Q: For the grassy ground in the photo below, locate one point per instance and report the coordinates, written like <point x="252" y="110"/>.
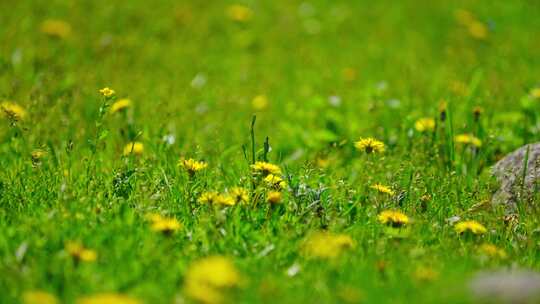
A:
<point x="76" y="211"/>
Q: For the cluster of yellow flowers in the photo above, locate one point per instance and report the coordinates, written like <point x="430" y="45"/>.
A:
<point x="326" y="245"/>
<point x="271" y="176"/>
<point x="234" y="196"/>
<point x="165" y="225"/>
<point x="275" y="182"/>
<point x="208" y="280"/>
<point x="426" y="124"/>
<point x="468" y="139"/>
<point x="79" y="253"/>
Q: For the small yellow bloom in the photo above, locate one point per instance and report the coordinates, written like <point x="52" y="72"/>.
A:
<point x="208" y="279"/>
<point x="478" y="30"/>
<point x="192" y="166"/>
<point x="492" y="251"/>
<point x="38" y="154"/>
<point x="163" y="224"/>
<point x="208" y="197"/>
<point x="136" y="148"/>
<point x="470" y="226"/>
<point x="393" y="218"/>
<point x="120" y="105"/>
<point x="239" y="13"/>
<point x="426" y="124"/>
<point x="274" y="181"/>
<point x="107" y="92"/>
<point x="108" y="298"/>
<point x="273" y="197"/>
<point x="240" y="195"/>
<point x="13" y="111"/>
<point x="265" y="168"/>
<point x="38" y="297"/>
<point x="383" y="189"/>
<point x="327" y="245"/>
<point x="259" y="102"/>
<point x="468" y="139"/>
<point x="369" y="145"/>
<point x="79" y="253"/>
<point x="55" y="28"/>
<point x="535" y="93"/>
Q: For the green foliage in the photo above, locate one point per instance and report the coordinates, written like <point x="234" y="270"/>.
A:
<point x="330" y="72"/>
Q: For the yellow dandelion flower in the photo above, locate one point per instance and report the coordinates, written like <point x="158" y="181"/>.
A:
<point x="259" y="102"/>
<point x="55" y="28"/>
<point x="79" y="253"/>
<point x="240" y="195"/>
<point x="426" y="124"/>
<point x="224" y="200"/>
<point x="468" y="139"/>
<point x="327" y="245"/>
<point x="208" y="279"/>
<point x="164" y="225"/>
<point x="473" y="227"/>
<point x="135" y="148"/>
<point x="38" y="297"/>
<point x="393" y="218"/>
<point x="107" y="92"/>
<point x="535" y="93"/>
<point x="208" y="197"/>
<point x="492" y="251"/>
<point x="108" y="298"/>
<point x="478" y="30"/>
<point x="383" y="189"/>
<point x="265" y="168"/>
<point x="192" y="166"/>
<point x="274" y="197"/>
<point x="275" y="181"/>
<point x="369" y="145"/>
<point x="13" y="111"/>
<point x="239" y="13"/>
<point x="120" y="105"/>
<point x="38" y="154"/>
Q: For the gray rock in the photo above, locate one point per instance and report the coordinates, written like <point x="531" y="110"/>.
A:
<point x="510" y="171"/>
<point x="506" y="286"/>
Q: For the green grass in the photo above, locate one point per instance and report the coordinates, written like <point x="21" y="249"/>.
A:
<point x="406" y="57"/>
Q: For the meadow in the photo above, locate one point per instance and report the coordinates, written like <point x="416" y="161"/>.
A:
<point x="262" y="151"/>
